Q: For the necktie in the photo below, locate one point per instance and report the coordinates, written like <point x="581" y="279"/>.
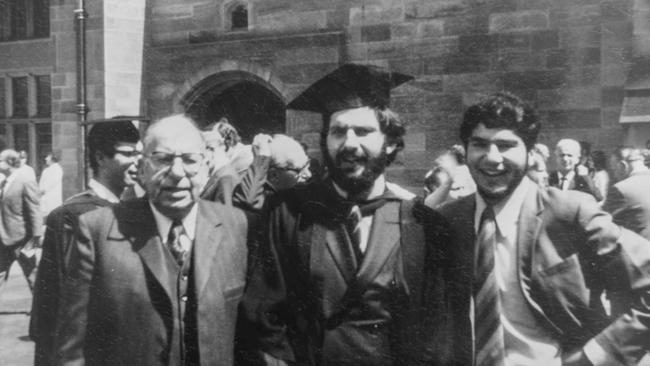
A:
<point x="488" y="330"/>
<point x="174" y="241"/>
<point x="563" y="185"/>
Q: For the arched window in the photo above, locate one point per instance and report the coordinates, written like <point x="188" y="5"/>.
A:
<point x="239" y="17"/>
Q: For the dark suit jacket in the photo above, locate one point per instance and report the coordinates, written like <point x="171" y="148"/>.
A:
<point x="629" y="203"/>
<point x="59" y="235"/>
<point x="314" y="303"/>
<point x="120" y="294"/>
<point x="20" y="211"/>
<point x="569" y="253"/>
<point x="220" y="185"/>
<point x="582" y="183"/>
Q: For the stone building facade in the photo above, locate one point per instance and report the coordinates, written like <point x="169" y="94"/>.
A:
<point x="245" y="59"/>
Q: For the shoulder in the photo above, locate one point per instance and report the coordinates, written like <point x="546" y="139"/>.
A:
<point x="232" y="216"/>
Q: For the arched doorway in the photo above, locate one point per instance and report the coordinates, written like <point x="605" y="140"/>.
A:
<point x="248" y="102"/>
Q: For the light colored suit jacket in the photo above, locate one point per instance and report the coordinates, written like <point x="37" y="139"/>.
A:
<point x="629" y="203"/>
<point x="569" y="252"/>
<point x="120" y="292"/>
<point x="20" y="210"/>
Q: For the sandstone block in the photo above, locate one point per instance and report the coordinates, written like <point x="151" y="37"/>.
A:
<point x="518" y="21"/>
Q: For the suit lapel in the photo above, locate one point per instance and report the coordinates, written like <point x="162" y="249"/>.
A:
<point x="383" y="240"/>
<point x="340" y="248"/>
<point x="143" y="233"/>
<point x="207" y="242"/>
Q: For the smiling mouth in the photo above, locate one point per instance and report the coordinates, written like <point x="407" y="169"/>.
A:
<point x="493" y="174"/>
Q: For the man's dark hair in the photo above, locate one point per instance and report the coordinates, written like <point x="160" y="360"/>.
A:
<point x="600" y="159"/>
<point x="502" y="110"/>
<point x="105" y="135"/>
<point x="389" y="123"/>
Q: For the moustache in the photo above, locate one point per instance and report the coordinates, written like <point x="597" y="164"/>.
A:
<point x="351" y="156"/>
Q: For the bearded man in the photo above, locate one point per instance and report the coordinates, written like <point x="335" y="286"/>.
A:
<point x="339" y="275"/>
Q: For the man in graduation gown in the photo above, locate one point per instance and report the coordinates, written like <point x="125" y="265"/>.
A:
<point x="339" y="277"/>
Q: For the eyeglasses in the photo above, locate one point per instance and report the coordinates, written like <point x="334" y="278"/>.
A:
<point x="302" y="172"/>
<point x="129" y="153"/>
<point x="164" y="160"/>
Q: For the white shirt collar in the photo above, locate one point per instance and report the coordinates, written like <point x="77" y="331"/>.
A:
<point x="102" y="191"/>
<point x="164" y="223"/>
<point x="378" y="188"/>
<point x="507" y="210"/>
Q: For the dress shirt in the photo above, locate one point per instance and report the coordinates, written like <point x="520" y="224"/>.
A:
<point x="51" y="185"/>
<point x="564" y="185"/>
<point x="527" y="342"/>
<point x="164" y="223"/>
<point x="102" y="192"/>
<point x="365" y="224"/>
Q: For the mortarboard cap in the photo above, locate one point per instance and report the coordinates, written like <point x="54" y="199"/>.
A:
<point x="349" y="86"/>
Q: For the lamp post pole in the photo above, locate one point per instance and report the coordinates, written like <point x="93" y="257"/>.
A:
<point x="82" y="108"/>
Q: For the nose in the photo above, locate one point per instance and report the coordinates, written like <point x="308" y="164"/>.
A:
<point x="304" y="176"/>
<point x="176" y="169"/>
<point x="351" y="139"/>
<point x="493" y="154"/>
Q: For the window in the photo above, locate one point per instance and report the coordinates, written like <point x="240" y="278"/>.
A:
<point x="43" y="144"/>
<point x="43" y="96"/>
<point x="20" y="96"/>
<point x="24" y="19"/>
<point x="21" y="137"/>
<point x="239" y="17"/>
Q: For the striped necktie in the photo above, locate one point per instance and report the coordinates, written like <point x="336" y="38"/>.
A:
<point x="489" y="345"/>
<point x="174" y="241"/>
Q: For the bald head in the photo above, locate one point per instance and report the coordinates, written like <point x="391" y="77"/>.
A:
<point x="289" y="162"/>
<point x="168" y="129"/>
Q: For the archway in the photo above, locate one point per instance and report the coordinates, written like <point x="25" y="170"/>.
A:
<point x="251" y="104"/>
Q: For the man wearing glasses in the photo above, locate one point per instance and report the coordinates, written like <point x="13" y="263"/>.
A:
<point x="156" y="280"/>
<point x="280" y="163"/>
<point x="113" y="153"/>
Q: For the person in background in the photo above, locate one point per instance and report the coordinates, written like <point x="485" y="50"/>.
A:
<point x="113" y="152"/>
<point x="585" y="157"/>
<point x="21" y="224"/>
<point x="51" y="185"/>
<point x="24" y="167"/>
<point x="537" y="168"/>
<point x="570" y="174"/>
<point x="240" y="155"/>
<point x="628" y="199"/>
<point x="600" y="176"/>
<point x="531" y="263"/>
<point x="339" y="275"/>
<point x="280" y="163"/>
<point x="223" y="177"/>
<point x="156" y="280"/>
<point x="452" y="176"/>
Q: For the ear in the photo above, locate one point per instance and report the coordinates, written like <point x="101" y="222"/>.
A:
<point x="531" y="158"/>
<point x="390" y="148"/>
<point x="99" y="157"/>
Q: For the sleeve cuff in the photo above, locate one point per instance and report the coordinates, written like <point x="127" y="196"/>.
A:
<point x="597" y="355"/>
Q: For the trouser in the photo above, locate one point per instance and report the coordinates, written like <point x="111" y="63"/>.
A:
<point x="9" y="254"/>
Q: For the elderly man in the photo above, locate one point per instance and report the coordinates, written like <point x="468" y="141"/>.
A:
<point x="628" y="200"/>
<point x="156" y="280"/>
<point x="570" y="174"/>
<point x="339" y="278"/>
<point x="280" y="163"/>
<point x="531" y="263"/>
<point x="113" y="151"/>
<point x="21" y="216"/>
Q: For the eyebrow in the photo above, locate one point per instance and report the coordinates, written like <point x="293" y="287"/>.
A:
<point x="495" y="141"/>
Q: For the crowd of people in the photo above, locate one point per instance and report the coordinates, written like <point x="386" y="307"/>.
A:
<point x="192" y="248"/>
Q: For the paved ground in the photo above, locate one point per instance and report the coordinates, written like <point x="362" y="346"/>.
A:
<point x="15" y="302"/>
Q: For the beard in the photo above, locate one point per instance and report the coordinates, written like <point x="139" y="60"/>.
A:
<point x="373" y="167"/>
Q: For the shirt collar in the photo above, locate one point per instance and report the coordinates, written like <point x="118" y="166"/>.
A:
<point x="102" y="191"/>
<point x="507" y="210"/>
<point x="164" y="223"/>
<point x="568" y="175"/>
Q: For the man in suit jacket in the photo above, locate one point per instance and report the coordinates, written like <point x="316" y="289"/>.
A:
<point x="113" y="153"/>
<point x="628" y="200"/>
<point x="21" y="217"/>
<point x="570" y="174"/>
<point x="339" y="281"/>
<point x="157" y="280"/>
<point x="528" y="293"/>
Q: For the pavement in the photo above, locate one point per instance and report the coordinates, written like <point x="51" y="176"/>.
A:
<point x="16" y="349"/>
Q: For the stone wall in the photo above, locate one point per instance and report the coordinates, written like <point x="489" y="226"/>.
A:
<point x="569" y="58"/>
